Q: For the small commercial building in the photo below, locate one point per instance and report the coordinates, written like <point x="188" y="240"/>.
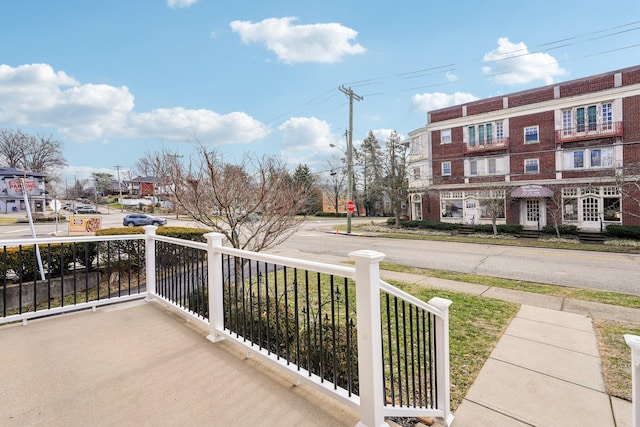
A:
<point x="14" y="183"/>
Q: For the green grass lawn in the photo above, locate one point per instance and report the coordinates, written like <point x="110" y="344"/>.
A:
<point x="478" y="322"/>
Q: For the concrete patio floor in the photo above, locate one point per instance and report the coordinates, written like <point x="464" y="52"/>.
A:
<point x="137" y="364"/>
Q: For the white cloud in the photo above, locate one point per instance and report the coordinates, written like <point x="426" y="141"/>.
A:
<point x="174" y="4"/>
<point x="433" y="101"/>
<point x="36" y="95"/>
<point x="324" y="43"/>
<point x="306" y="140"/>
<point x="512" y="64"/>
<point x="209" y="127"/>
<point x="451" y="77"/>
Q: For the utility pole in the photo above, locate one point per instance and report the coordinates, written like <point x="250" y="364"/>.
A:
<point x="119" y="187"/>
<point x="352" y="96"/>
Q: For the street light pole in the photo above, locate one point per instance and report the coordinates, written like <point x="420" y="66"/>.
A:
<point x="119" y="188"/>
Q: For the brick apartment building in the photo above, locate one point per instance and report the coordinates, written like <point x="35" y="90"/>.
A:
<point x="554" y="153"/>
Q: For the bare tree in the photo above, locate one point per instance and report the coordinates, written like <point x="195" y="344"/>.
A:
<point x="335" y="185"/>
<point x="254" y="204"/>
<point x="492" y="202"/>
<point x="12" y="145"/>
<point x="627" y="181"/>
<point x="41" y="154"/>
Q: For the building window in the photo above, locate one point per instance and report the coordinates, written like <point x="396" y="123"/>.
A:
<point x="588" y="118"/>
<point x="416" y="173"/>
<point x="574" y="159"/>
<point x="485" y="134"/>
<point x="473" y="167"/>
<point x="589" y="158"/>
<point x="416" y="146"/>
<point x="446" y="168"/>
<point x="531" y="166"/>
<point x="483" y="166"/>
<point x="579" y="203"/>
<point x="451" y="205"/>
<point x="472" y="136"/>
<point x="607" y="116"/>
<point x="491" y="166"/>
<point x="445" y="136"/>
<point x="499" y="131"/>
<point x="531" y="135"/>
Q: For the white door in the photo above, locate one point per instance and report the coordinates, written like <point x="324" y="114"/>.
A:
<point x="534" y="213"/>
<point x="590" y="215"/>
<point x="470" y="215"/>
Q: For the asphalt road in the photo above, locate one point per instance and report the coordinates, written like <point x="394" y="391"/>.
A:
<point x="317" y="241"/>
<point x="581" y="269"/>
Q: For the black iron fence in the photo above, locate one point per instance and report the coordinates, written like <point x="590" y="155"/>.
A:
<point x="41" y="276"/>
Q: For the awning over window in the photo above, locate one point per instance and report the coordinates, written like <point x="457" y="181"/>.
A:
<point x="531" y="192"/>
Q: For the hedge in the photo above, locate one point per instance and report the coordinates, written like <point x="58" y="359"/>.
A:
<point x="501" y="228"/>
<point x="564" y="229"/>
<point x="623" y="231"/>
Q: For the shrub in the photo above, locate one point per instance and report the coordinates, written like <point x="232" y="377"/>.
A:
<point x="564" y="229"/>
<point x="623" y="231"/>
<point x="425" y="224"/>
<point x="331" y="214"/>
<point x="501" y="228"/>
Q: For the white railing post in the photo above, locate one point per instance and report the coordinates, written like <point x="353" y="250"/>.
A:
<point x="215" y="297"/>
<point x="150" y="260"/>
<point x="633" y="341"/>
<point x="443" y="384"/>
<point x="370" y="370"/>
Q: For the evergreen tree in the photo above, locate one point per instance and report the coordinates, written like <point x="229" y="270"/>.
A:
<point x="370" y="159"/>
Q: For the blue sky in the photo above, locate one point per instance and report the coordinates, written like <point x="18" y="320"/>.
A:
<point x="116" y="79"/>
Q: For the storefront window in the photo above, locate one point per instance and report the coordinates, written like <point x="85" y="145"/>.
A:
<point x="612" y="209"/>
<point x="452" y="208"/>
<point x="570" y="210"/>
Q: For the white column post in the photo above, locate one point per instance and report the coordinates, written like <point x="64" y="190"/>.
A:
<point x="150" y="260"/>
<point x="215" y="296"/>
<point x="370" y="370"/>
<point x="633" y="341"/>
<point x="442" y="357"/>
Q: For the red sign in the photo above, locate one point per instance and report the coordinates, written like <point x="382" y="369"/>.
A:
<point x="351" y="206"/>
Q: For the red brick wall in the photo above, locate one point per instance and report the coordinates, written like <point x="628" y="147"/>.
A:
<point x="445" y="114"/>
<point x="587" y="85"/>
<point x="631" y="76"/>
<point x="531" y="96"/>
<point x="484" y="106"/>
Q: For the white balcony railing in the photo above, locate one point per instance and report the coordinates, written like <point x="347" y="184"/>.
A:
<point x="340" y="329"/>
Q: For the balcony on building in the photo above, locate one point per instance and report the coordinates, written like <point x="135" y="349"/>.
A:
<point x="589" y="131"/>
<point x="487" y="145"/>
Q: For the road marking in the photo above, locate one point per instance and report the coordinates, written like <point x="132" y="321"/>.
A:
<point x="16" y="231"/>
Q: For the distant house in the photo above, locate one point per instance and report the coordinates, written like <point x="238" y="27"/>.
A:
<point x="118" y="187"/>
<point x="14" y="183"/>
<point x="143" y="186"/>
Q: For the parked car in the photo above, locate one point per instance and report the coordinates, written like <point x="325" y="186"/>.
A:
<point x="85" y="210"/>
<point x="134" y="220"/>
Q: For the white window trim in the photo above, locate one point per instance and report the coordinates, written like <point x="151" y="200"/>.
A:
<point x="442" y="168"/>
<point x="524" y="134"/>
<point x="444" y="132"/>
<point x="586" y="159"/>
<point x="482" y="166"/>
<point x="537" y="160"/>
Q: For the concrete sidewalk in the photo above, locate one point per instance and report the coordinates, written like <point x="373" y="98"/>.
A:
<point x="546" y="369"/>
